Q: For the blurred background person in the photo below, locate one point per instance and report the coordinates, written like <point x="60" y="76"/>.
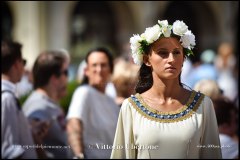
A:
<point x="205" y="69"/>
<point x="226" y="113"/>
<point x="92" y="115"/>
<point x="16" y="133"/>
<point x="208" y="87"/>
<point x="110" y="88"/>
<point x="225" y="59"/>
<point x="225" y="63"/>
<point x="124" y="79"/>
<point x="50" y="75"/>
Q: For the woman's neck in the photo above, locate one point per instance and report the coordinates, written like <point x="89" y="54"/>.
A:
<point x="166" y="89"/>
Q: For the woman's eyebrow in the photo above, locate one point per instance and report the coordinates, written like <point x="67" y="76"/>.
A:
<point x="166" y="49"/>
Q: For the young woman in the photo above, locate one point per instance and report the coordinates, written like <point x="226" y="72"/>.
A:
<point x="164" y="119"/>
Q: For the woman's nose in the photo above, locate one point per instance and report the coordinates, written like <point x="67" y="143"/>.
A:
<point x="171" y="57"/>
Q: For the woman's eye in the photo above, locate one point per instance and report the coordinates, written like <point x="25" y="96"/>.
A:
<point x="163" y="52"/>
<point x="176" y="52"/>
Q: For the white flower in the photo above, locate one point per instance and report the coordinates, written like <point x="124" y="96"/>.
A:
<point x="135" y="47"/>
<point x="152" y="33"/>
<point x="165" y="28"/>
<point x="135" y="40"/>
<point x="188" y="40"/>
<point x="163" y="23"/>
<point x="167" y="31"/>
<point x="143" y="36"/>
<point x="179" y="28"/>
<point x="137" y="57"/>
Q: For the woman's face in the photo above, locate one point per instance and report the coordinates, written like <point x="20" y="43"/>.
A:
<point x="166" y="58"/>
<point x="98" y="69"/>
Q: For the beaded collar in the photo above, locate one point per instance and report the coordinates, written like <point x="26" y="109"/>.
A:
<point x="173" y="116"/>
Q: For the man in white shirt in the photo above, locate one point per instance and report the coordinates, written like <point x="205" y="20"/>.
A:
<point x="92" y="115"/>
<point x="17" y="140"/>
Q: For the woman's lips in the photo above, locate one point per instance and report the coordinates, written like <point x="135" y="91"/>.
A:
<point x="170" y="68"/>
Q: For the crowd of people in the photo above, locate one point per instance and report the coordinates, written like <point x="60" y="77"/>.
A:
<point x="155" y="105"/>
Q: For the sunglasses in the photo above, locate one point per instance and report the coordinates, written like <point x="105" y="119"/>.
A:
<point x="24" y="61"/>
<point x="65" y="72"/>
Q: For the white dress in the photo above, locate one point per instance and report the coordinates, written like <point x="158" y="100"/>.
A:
<point x="189" y="132"/>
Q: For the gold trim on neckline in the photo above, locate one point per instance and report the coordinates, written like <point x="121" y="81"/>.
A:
<point x="167" y="117"/>
<point x="184" y="107"/>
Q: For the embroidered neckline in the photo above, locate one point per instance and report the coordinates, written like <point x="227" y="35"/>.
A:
<point x="172" y="116"/>
<point x="190" y="99"/>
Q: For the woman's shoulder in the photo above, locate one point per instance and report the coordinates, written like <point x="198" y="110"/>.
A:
<point x="127" y="103"/>
<point x="131" y="103"/>
<point x="204" y="98"/>
<point x="207" y="103"/>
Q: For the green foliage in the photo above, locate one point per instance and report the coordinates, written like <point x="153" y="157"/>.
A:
<point x="187" y="52"/>
<point x="22" y="99"/>
<point x="65" y="102"/>
<point x="144" y="45"/>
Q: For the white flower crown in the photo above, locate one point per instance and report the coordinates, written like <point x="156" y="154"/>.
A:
<point x="162" y="29"/>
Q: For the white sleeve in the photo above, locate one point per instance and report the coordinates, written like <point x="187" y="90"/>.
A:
<point x="78" y="103"/>
<point x="124" y="134"/>
<point x="11" y="147"/>
<point x="210" y="137"/>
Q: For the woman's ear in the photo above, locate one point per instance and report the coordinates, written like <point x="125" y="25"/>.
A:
<point x="146" y="60"/>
